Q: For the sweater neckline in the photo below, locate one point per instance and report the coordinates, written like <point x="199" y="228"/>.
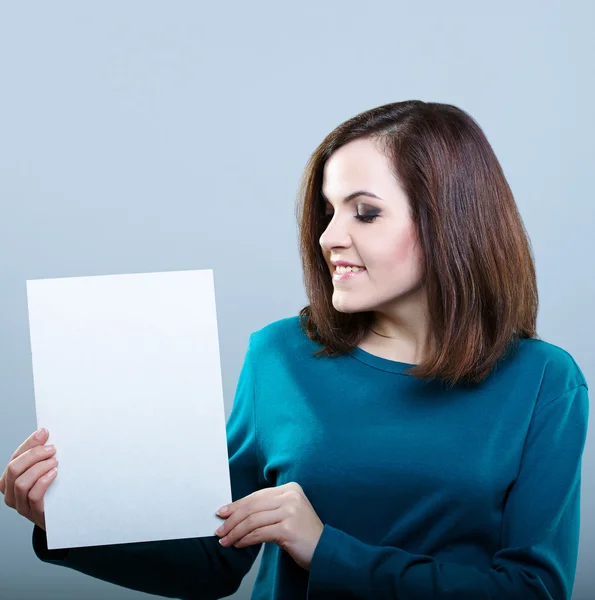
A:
<point x="378" y="362"/>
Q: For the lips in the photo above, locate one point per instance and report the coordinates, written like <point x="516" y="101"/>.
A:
<point x="347" y="275"/>
<point x="343" y="263"/>
<point x="354" y="268"/>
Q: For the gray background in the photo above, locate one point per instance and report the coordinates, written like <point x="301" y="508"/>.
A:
<point x="154" y="136"/>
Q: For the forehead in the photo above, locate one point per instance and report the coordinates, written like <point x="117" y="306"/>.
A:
<point x="357" y="165"/>
<point x="360" y="165"/>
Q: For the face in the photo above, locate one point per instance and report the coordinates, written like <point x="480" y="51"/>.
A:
<point x="375" y="233"/>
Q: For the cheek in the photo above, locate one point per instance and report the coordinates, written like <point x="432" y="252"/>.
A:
<point x="406" y="252"/>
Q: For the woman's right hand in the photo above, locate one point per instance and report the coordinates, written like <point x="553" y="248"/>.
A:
<point x="28" y="475"/>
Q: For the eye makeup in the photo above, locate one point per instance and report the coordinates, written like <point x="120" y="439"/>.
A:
<point x="369" y="216"/>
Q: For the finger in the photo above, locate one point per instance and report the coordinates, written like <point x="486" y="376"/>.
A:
<point x="35" y="439"/>
<point x="256" y="496"/>
<point x="37" y="492"/>
<point x="268" y="533"/>
<point x="27" y="480"/>
<point x="263" y="502"/>
<point x="252" y="522"/>
<point x="19" y="465"/>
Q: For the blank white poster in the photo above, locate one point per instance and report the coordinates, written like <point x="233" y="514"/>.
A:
<point x="127" y="379"/>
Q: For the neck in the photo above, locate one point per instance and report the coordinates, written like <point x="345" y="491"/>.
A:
<point x="402" y="332"/>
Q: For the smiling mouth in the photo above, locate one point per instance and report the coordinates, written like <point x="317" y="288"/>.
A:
<point x="347" y="274"/>
<point x="350" y="269"/>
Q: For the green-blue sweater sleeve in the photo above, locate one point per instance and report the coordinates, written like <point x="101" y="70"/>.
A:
<point x="539" y="534"/>
<point x="189" y="568"/>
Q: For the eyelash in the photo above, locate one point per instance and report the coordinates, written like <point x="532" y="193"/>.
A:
<point x="366" y="218"/>
<point x="362" y="218"/>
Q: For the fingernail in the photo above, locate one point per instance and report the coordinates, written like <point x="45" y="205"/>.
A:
<point x="222" y="510"/>
<point x="40" y="433"/>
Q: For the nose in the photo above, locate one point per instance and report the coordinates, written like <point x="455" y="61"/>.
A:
<point x="334" y="236"/>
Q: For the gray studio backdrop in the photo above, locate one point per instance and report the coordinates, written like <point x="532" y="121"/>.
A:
<point x="145" y="136"/>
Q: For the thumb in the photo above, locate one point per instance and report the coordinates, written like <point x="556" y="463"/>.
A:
<point x="2" y="484"/>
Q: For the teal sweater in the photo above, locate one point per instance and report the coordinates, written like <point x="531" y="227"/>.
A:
<point x="425" y="492"/>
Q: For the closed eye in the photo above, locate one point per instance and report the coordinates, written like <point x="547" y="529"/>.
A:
<point x="366" y="218"/>
<point x="369" y="214"/>
<point x="363" y="218"/>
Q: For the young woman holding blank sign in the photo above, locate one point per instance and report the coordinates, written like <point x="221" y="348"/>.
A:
<point x="407" y="435"/>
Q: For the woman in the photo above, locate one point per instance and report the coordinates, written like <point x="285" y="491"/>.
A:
<point x="408" y="435"/>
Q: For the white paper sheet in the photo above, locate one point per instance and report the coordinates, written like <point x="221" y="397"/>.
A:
<point x="127" y="379"/>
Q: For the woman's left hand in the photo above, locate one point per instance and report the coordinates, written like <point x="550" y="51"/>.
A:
<point x="281" y="514"/>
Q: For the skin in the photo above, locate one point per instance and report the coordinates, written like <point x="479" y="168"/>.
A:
<point x="388" y="247"/>
<point x="27" y="477"/>
<point x="390" y="287"/>
<point x="282" y="515"/>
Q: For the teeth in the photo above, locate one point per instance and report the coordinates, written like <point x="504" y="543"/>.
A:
<point x="349" y="269"/>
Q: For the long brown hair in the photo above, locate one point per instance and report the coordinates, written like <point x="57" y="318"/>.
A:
<point x="478" y="267"/>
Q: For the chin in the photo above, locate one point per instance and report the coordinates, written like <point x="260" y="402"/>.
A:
<point x="346" y="305"/>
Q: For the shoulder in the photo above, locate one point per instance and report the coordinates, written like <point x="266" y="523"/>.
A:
<point x="282" y="335"/>
<point x="556" y="369"/>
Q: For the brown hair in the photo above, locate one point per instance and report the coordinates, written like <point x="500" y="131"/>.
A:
<point x="478" y="264"/>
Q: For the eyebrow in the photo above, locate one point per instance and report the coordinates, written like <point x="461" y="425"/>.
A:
<point x="353" y="195"/>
